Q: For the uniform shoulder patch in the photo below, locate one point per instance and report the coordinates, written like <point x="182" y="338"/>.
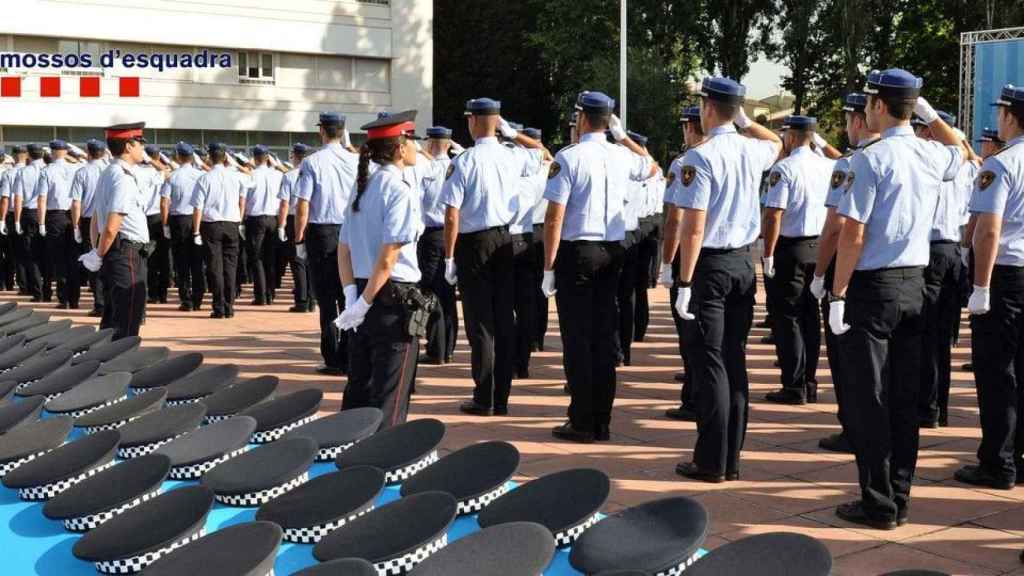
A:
<point x="849" y="178"/>
<point x="774" y="178"/>
<point x="985" y="179"/>
<point x="554" y="169"/>
<point x="838" y="177"/>
<point x="671" y="177"/>
<point x="689" y="173"/>
<point x="451" y="170"/>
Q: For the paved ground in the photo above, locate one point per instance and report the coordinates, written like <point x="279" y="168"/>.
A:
<point x="787" y="483"/>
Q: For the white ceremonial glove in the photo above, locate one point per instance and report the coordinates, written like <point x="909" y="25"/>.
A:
<point x="742" y="120"/>
<point x="980" y="301"/>
<point x="42" y="229"/>
<point x="818" y="287"/>
<point x="197" y="240"/>
<point x="300" y="251"/>
<point x="167" y="232"/>
<point x="615" y="127"/>
<point x="965" y="256"/>
<point x="836" y="315"/>
<point x="282" y="235"/>
<point x="351" y="293"/>
<point x="457" y="148"/>
<point x="547" y="285"/>
<point x="665" y="276"/>
<point x="17" y="227"/>
<point x="506" y="129"/>
<point x="346" y="140"/>
<point x="450" y="274"/>
<point x="819" y="141"/>
<point x="353" y="316"/>
<point x="241" y="231"/>
<point x="925" y="111"/>
<point x="3" y="227"/>
<point x="683" y="303"/>
<point x="78" y="235"/>
<point x="91" y="260"/>
<point x="768" y="263"/>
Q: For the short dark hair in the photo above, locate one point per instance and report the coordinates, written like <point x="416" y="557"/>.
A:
<point x="696" y="126"/>
<point x="801" y="135"/>
<point x="724" y="109"/>
<point x="597" y="120"/>
<point x="899" y="108"/>
<point x="117" y="146"/>
<point x="218" y="156"/>
<point x="183" y="157"/>
<point x="36" y="155"/>
<point x="333" y="131"/>
<point x="1017" y="114"/>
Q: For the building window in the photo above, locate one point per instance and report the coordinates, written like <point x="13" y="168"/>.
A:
<point x="81" y="47"/>
<point x="256" y="67"/>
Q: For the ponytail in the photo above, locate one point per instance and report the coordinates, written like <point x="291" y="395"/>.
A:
<point x="363" y="174"/>
<point x="381" y="151"/>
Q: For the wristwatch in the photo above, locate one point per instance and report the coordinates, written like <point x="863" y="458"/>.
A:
<point x="833" y="298"/>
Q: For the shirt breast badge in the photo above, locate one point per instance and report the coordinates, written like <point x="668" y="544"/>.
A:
<point x="689" y="173"/>
<point x="554" y="170"/>
<point x="985" y="179"/>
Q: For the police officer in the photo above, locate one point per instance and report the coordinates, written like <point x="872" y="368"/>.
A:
<point x="26" y="226"/>
<point x="889" y="206"/>
<point x="54" y="192"/>
<point x="13" y="267"/>
<point x="442" y="327"/>
<point x="119" y="224"/>
<point x="481" y="198"/>
<point x="997" y="300"/>
<point x="176" y="215"/>
<point x="540" y="208"/>
<point x="716" y="276"/>
<point x="794" y="214"/>
<point x="326" y="181"/>
<point x="151" y="175"/>
<point x="583" y="232"/>
<point x="83" y="197"/>
<point x="635" y="198"/>
<point x="218" y="202"/>
<point x="860" y="135"/>
<point x="301" y="275"/>
<point x="526" y="277"/>
<point x="261" y="207"/>
<point x="648" y="258"/>
<point x="990" y="142"/>
<point x="377" y="262"/>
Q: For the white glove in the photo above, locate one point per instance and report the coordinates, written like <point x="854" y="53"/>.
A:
<point x="768" y="263"/>
<point x="241" y="231"/>
<point x="836" y="316"/>
<point x="300" y="251"/>
<point x="506" y="129"/>
<point x="42" y="229"/>
<point x="457" y="148"/>
<point x="282" y="235"/>
<point x="197" y="240"/>
<point x="965" y="256"/>
<point x="91" y="260"/>
<point x="980" y="301"/>
<point x="450" y="274"/>
<point x="818" y="287"/>
<point x="3" y="227"/>
<point x="742" y="120"/>
<point x="78" y="235"/>
<point x="167" y="232"/>
<point x="351" y="293"/>
<point x="346" y="140"/>
<point x="17" y="227"/>
<point x="615" y="127"/>
<point x="819" y="141"/>
<point x="547" y="285"/>
<point x="353" y="316"/>
<point x="925" y="111"/>
<point x="683" y="303"/>
<point x="665" y="276"/>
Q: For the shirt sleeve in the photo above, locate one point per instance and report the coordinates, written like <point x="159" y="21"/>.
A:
<point x="639" y="165"/>
<point x="766" y="153"/>
<point x="837" y="184"/>
<point x="779" y="189"/>
<point x="18" y="187"/>
<point x="695" y="191"/>
<point x="77" y="185"/>
<point x="861" y="190"/>
<point x="991" y="188"/>
<point x="43" y="184"/>
<point x="343" y="231"/>
<point x="454" y="190"/>
<point x="5" y="184"/>
<point x="532" y="159"/>
<point x="401" y="219"/>
<point x="307" y="180"/>
<point x="285" y="191"/>
<point x="560" y="179"/>
<point x="123" y="197"/>
<point x="948" y="160"/>
<point x="199" y="193"/>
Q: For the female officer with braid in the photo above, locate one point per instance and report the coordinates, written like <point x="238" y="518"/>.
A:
<point x="379" y="271"/>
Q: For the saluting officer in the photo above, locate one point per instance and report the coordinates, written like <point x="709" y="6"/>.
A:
<point x="648" y="258"/>
<point x="379" y="270"/>
<point x="481" y="198"/>
<point x="261" y="207"/>
<point x="990" y="142"/>
<point x="997" y="302"/>
<point x="719" y="197"/>
<point x="583" y="233"/>
<point x="151" y="176"/>
<point x="540" y="208"/>
<point x="301" y="275"/>
<point x="54" y="192"/>
<point x="14" y="266"/>
<point x="635" y="198"/>
<point x="26" y="226"/>
<point x="889" y="207"/>
<point x="526" y="277"/>
<point x="119" y="224"/>
<point x="83" y="201"/>
<point x="176" y="212"/>
<point x="794" y="214"/>
<point x="861" y="136"/>
<point x="326" y="181"/>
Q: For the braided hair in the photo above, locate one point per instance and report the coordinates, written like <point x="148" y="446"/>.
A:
<point x="381" y="151"/>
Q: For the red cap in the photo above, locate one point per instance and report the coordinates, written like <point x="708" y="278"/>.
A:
<point x="125" y="131"/>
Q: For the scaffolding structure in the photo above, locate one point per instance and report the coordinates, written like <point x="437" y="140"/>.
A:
<point x="968" y="41"/>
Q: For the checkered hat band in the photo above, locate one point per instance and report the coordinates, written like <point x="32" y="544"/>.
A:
<point x="263" y="496"/>
<point x="86" y="523"/>
<point x="27" y="383"/>
<point x="183" y="401"/>
<point x="84" y="411"/>
<point x="329" y="454"/>
<point x="313" y="534"/>
<point x="195" y="471"/>
<point x="8" y="466"/>
<point x="478" y="503"/>
<point x="403" y="474"/>
<point x="137" y="563"/>
<point x="212" y="419"/>
<point x="54" y="396"/>
<point x="129" y="452"/>
<point x="567" y="537"/>
<point x="679" y="568"/>
<point x="47" y="491"/>
<point x="111" y="426"/>
<point x="268" y="436"/>
<point x="405" y="563"/>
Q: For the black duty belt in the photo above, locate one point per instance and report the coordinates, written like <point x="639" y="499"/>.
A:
<point x="724" y="251"/>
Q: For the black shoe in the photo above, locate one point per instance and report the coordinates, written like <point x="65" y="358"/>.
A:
<point x="812" y="392"/>
<point x="523" y="374"/>
<point x="449" y="359"/>
<point x="500" y="411"/>
<point x="297" y="308"/>
<point x="258" y="303"/>
<point x="229" y="313"/>
<point x="540" y="346"/>
<point x="836" y="443"/>
<point x="854" y="512"/>
<point x="37" y="299"/>
<point x="163" y="299"/>
<point x="767" y="339"/>
<point x="73" y="306"/>
<point x="471" y="407"/>
<point x="1020" y="473"/>
<point x="929" y="423"/>
<point x="185" y="307"/>
<point x="902" y="517"/>
<point x="968" y="367"/>
<point x="62" y="306"/>
<point x="602" y="433"/>
<point x="683" y="414"/>
<point x="152" y="300"/>
<point x="766" y="323"/>
<point x="566" y="389"/>
<point x="785" y="396"/>
<point x="732" y="476"/>
<point x="329" y="370"/>
<point x="943" y="417"/>
<point x="680" y="377"/>
<point x="568" y="432"/>
<point x="94" y="313"/>
<point x="691" y="471"/>
<point x="216" y="314"/>
<point x="977" y="476"/>
<point x="431" y="360"/>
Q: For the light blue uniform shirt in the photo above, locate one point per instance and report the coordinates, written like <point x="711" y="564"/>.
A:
<point x="55" y="183"/>
<point x="674" y="180"/>
<point x="150" y="181"/>
<point x="483" y="183"/>
<point x="83" y="187"/>
<point x="7" y="180"/>
<point x="117" y="192"/>
<point x="262" y="198"/>
<point x="430" y="186"/>
<point x="178" y="189"/>
<point x="837" y="184"/>
<point x="999" y="190"/>
<point x="798" y="185"/>
<point x="656" y="194"/>
<point x="636" y="195"/>
<point x="287" y="190"/>
<point x="591" y="180"/>
<point x="523" y="221"/>
<point x="951" y="212"/>
<point x="25" y="184"/>
<point x="389" y="213"/>
<point x="540" y="204"/>
<point x="327" y="179"/>
<point x="722" y="177"/>
<point x="217" y="193"/>
<point x="893" y="188"/>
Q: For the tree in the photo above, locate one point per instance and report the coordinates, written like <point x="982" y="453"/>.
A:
<point x="739" y="30"/>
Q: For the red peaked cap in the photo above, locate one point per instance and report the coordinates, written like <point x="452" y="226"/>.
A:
<point x="391" y="125"/>
<point x="125" y="131"/>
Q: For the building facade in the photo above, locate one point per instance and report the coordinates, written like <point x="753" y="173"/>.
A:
<point x="289" y="60"/>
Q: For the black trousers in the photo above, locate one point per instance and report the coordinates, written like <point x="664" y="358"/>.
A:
<point x="159" y="264"/>
<point x="587" y="279"/>
<point x="997" y="352"/>
<point x="723" y="303"/>
<point x="8" y="258"/>
<point x="525" y="288"/>
<point x="881" y="362"/>
<point x="941" y="313"/>
<point x="17" y="251"/>
<point x="382" y="360"/>
<point x="540" y="319"/>
<point x="124" y="284"/>
<point x="322" y="251"/>
<point x="302" y="275"/>
<point x="33" y="252"/>
<point x="834" y="357"/>
<point x="220" y="241"/>
<point x="95" y="278"/>
<point x="60" y="244"/>
<point x="484" y="263"/>
<point x="188" y="260"/>
<point x="797" y="326"/>
<point x="260" y="240"/>
<point x="687" y="394"/>
<point x="625" y="297"/>
<point x="443" y="324"/>
<point x="647" y="260"/>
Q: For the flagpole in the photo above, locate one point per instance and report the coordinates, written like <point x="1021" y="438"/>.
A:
<point x="623" y="45"/>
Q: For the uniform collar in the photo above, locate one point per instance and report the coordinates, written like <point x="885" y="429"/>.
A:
<point x="123" y="164"/>
<point x="723" y="129"/>
<point x="901" y="130"/>
<point x="391" y="169"/>
<point x="805" y="149"/>
<point x="334" y="145"/>
<point x="487" y="140"/>
<point x="217" y="167"/>
<point x="1015" y="141"/>
<point x="866" y="141"/>
<point x="96" y="161"/>
<point x="38" y="162"/>
<point x="593" y="137"/>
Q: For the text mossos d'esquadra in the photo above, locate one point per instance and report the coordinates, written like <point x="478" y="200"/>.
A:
<point x="113" y="58"/>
